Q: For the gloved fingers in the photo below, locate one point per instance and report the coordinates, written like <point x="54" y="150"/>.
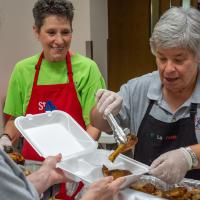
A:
<point x="102" y="96"/>
<point x="99" y="94"/>
<point x="171" y="166"/>
<point x="158" y="161"/>
<point x="108" y="100"/>
<point x="157" y="171"/>
<point x="161" y="172"/>
<point x="171" y="176"/>
<point x="104" y="102"/>
<point x="115" y="107"/>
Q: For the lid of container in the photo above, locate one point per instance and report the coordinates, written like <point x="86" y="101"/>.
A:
<point x="55" y="132"/>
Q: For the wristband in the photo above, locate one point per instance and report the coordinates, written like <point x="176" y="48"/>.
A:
<point x="191" y="157"/>
<point x="195" y="160"/>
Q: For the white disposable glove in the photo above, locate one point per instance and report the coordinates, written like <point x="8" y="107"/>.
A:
<point x="108" y="102"/>
<point x="5" y="141"/>
<point x="172" y="166"/>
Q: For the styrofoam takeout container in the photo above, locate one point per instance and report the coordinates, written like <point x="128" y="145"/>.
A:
<point x="57" y="132"/>
<point x="89" y="166"/>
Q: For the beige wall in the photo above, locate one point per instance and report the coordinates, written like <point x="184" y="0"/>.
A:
<point x="17" y="40"/>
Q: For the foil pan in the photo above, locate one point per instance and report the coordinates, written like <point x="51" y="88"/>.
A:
<point x="160" y="185"/>
<point x="155" y="181"/>
<point x="189" y="183"/>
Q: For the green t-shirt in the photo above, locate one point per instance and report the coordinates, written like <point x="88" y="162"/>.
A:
<point x="86" y="75"/>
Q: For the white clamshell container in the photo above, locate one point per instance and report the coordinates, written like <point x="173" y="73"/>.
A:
<point x="56" y="132"/>
<point x="88" y="167"/>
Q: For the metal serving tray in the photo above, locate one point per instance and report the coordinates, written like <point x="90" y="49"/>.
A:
<point x="130" y="194"/>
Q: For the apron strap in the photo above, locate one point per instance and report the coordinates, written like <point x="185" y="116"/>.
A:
<point x="69" y="67"/>
<point x="37" y="68"/>
<point x="151" y="102"/>
<point x="193" y="110"/>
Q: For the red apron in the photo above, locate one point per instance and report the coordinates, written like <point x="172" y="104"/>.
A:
<point x="60" y="97"/>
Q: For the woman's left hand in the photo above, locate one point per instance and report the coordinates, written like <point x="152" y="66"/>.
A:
<point x="170" y="167"/>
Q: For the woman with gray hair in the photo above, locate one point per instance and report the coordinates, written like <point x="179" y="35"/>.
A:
<point x="163" y="107"/>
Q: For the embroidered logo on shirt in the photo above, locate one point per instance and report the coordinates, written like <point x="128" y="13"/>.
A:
<point x="155" y="136"/>
<point x="171" y="137"/>
<point x="158" y="137"/>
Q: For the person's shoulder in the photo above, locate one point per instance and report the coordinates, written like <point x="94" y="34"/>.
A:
<point x="29" y="61"/>
<point x="81" y="58"/>
<point x="85" y="65"/>
<point x="144" y="79"/>
<point x="141" y="83"/>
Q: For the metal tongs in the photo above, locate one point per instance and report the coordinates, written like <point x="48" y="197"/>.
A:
<point x="119" y="134"/>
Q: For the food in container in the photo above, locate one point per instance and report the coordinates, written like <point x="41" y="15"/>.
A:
<point x="115" y="173"/>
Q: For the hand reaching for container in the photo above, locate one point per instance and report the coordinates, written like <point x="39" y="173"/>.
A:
<point x="103" y="189"/>
<point x="108" y="101"/>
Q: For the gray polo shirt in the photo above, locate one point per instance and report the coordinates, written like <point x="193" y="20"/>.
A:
<point x="13" y="184"/>
<point x="136" y="94"/>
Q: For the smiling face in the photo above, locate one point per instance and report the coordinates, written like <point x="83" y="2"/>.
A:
<point x="178" y="69"/>
<point x="55" y="37"/>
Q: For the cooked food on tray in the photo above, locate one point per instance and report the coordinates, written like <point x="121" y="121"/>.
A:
<point x="177" y="193"/>
<point x="115" y="173"/>
<point x="132" y="140"/>
<point x="16" y="156"/>
<point x="144" y="187"/>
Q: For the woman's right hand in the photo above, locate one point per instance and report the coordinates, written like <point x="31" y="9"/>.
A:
<point x="108" y="102"/>
<point x="103" y="189"/>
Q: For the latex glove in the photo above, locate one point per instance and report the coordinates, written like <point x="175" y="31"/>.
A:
<point x="172" y="166"/>
<point x="108" y="101"/>
<point x="5" y="141"/>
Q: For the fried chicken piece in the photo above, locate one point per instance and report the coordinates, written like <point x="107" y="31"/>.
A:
<point x="115" y="173"/>
<point x="175" y="193"/>
<point x="132" y="140"/>
<point x="144" y="187"/>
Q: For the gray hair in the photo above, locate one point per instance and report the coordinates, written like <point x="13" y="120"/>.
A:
<point x="177" y="27"/>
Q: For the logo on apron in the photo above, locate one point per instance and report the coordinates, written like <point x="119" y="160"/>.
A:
<point x="50" y="106"/>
